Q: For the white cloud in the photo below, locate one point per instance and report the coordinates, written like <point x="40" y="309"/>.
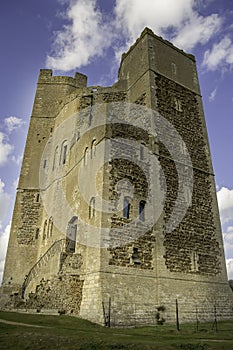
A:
<point x="17" y="159"/>
<point x="4" y="202"/>
<point x="225" y="202"/>
<point x="197" y="30"/>
<point x="213" y="95"/>
<point x="85" y="37"/>
<point x="89" y="32"/>
<point x="13" y="123"/>
<point x="228" y="241"/>
<point x="15" y="183"/>
<point x="4" y="237"/>
<point x="220" y="55"/>
<point x="5" y="149"/>
<point x="229" y="263"/>
<point x="186" y="27"/>
<point x="134" y="15"/>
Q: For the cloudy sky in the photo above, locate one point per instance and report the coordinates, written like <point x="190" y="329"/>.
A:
<point x="89" y="36"/>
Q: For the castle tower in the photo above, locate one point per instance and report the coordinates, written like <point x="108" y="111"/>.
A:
<point x="116" y="208"/>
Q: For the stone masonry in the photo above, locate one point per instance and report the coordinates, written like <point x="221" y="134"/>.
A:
<point x="116" y="208"/>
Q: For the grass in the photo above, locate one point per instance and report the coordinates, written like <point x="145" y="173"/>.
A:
<point x="71" y="333"/>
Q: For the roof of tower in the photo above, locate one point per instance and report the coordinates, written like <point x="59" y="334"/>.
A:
<point x="166" y="42"/>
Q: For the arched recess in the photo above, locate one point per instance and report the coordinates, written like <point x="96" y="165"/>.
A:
<point x="93" y="148"/>
<point x="92" y="208"/>
<point x="64" y="150"/>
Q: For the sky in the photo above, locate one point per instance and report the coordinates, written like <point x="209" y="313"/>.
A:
<point x="89" y="36"/>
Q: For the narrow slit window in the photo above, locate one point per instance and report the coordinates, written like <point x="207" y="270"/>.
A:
<point x="50" y="227"/>
<point x="142" y="205"/>
<point x="45" y="229"/>
<point x="85" y="156"/>
<point x="126" y="208"/>
<point x="37" y="233"/>
<point x="142" y="151"/>
<point x="194" y="261"/>
<point x="64" y="154"/>
<point x="93" y="148"/>
<point x="135" y="257"/>
<point x="174" y="69"/>
<point x="92" y="208"/>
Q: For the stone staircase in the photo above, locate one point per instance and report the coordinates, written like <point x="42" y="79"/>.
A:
<point x="56" y="248"/>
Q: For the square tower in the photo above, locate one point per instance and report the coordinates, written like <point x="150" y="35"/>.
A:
<point x="116" y="211"/>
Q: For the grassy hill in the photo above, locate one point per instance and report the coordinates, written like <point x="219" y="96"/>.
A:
<point x="26" y="331"/>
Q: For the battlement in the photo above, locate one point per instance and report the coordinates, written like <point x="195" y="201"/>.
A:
<point x="46" y="77"/>
<point x="166" y="42"/>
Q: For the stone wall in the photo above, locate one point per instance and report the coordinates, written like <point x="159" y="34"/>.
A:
<point x="63" y="293"/>
<point x="30" y="212"/>
<point x="195" y="237"/>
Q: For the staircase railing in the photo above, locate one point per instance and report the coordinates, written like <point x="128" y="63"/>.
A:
<point x="57" y="245"/>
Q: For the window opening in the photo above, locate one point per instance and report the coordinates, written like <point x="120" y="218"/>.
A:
<point x="64" y="154"/>
<point x="37" y="233"/>
<point x="142" y="210"/>
<point x="126" y="208"/>
<point x="45" y="229"/>
<point x="135" y="257"/>
<point x="92" y="208"/>
<point x="50" y="227"/>
<point x="194" y="261"/>
<point x="178" y="104"/>
<point x="85" y="156"/>
<point x="142" y="151"/>
<point x="174" y="69"/>
<point x="93" y="148"/>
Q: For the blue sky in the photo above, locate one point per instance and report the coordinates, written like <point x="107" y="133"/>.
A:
<point x="89" y="36"/>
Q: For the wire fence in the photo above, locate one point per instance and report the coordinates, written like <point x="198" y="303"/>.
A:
<point x="118" y="314"/>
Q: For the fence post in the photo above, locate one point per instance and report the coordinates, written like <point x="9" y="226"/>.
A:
<point x="109" y="313"/>
<point x="177" y="316"/>
<point x="197" y="321"/>
<point x="215" y="324"/>
<point x="105" y="321"/>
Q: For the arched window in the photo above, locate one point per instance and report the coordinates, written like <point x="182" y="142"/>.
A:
<point x="142" y="210"/>
<point x="55" y="158"/>
<point x="50" y="227"/>
<point x="85" y="156"/>
<point x="63" y="156"/>
<point x="92" y="208"/>
<point x="45" y="229"/>
<point x="93" y="148"/>
<point x="126" y="207"/>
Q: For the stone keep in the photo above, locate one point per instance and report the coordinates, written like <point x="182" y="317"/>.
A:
<point x="116" y="207"/>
